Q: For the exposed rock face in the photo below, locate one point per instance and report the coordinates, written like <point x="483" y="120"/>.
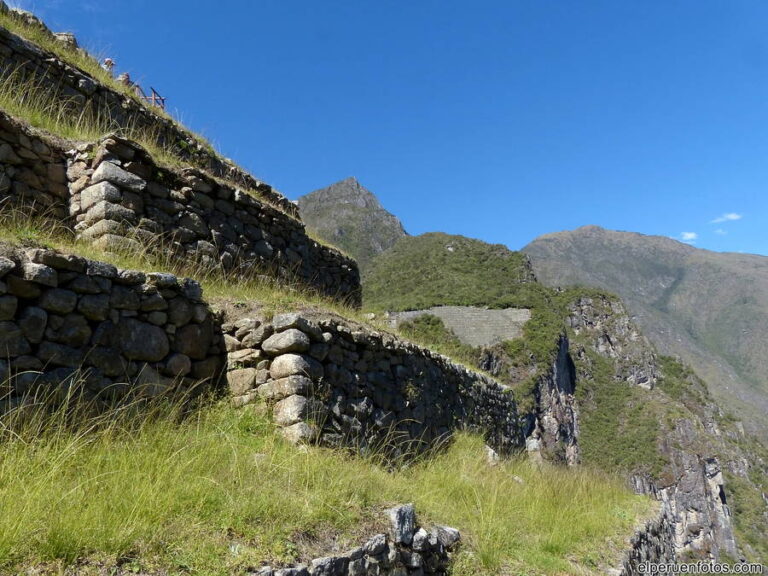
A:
<point x="363" y="388"/>
<point x="695" y="516"/>
<point x="615" y="336"/>
<point x="554" y="426"/>
<point x="348" y="216"/>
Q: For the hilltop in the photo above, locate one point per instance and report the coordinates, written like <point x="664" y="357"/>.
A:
<point x="708" y="308"/>
<point x="349" y="216"/>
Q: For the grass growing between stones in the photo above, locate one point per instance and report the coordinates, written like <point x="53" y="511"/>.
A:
<point x="219" y="491"/>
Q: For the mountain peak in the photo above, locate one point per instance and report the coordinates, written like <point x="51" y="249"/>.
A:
<point x="348" y="215"/>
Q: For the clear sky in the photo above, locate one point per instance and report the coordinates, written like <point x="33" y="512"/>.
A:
<point x="500" y="120"/>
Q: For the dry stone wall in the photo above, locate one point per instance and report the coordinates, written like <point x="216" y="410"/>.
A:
<point x="345" y="385"/>
<point x="405" y="550"/>
<point x="66" y="321"/>
<point x="474" y="326"/>
<point x="83" y="92"/>
<point x="33" y="172"/>
<point x="122" y="200"/>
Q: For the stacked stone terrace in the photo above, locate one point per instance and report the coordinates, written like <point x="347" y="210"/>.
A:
<point x="81" y="91"/>
<point x="71" y="323"/>
<point x="338" y="382"/>
<point x="121" y="200"/>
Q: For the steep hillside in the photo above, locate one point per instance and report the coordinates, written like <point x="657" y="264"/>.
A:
<point x="436" y="268"/>
<point x="349" y="216"/>
<point x="710" y="309"/>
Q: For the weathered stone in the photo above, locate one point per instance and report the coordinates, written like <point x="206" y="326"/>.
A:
<point x="98" y="192"/>
<point x="330" y="566"/>
<point x="241" y="381"/>
<point x="447" y="536"/>
<point x="402" y="523"/>
<point x="33" y="322"/>
<point x="206" y="370"/>
<point x="59" y="301"/>
<point x="107" y="211"/>
<point x="291" y="340"/>
<point x="278" y="389"/>
<point x="94" y="307"/>
<point x="8" y="307"/>
<point x="178" y="365"/>
<point x="119" y="244"/>
<point x="194" y="340"/>
<point x="124" y="298"/>
<point x="179" y="311"/>
<point x="59" y="355"/>
<point x="23" y="288"/>
<point x="72" y="330"/>
<point x="141" y="341"/>
<point x="12" y="341"/>
<point x="376" y="545"/>
<point x="255" y="337"/>
<point x="116" y="175"/>
<point x="39" y="274"/>
<point x="290" y="410"/>
<point x="290" y="364"/>
<point x="299" y="433"/>
<point x="6" y="265"/>
<point x="108" y="360"/>
<point x="294" y="320"/>
<point x="421" y="540"/>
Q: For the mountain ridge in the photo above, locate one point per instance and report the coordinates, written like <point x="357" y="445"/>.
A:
<point x="697" y="304"/>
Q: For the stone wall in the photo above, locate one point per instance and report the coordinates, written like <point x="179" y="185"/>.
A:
<point x="345" y="385"/>
<point x="474" y="326"/>
<point x="83" y="92"/>
<point x="122" y="200"/>
<point x="33" y="172"/>
<point x="406" y="550"/>
<point x="66" y="321"/>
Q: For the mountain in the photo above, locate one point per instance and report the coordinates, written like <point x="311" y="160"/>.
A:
<point x="436" y="268"/>
<point x="350" y="217"/>
<point x="708" y="308"/>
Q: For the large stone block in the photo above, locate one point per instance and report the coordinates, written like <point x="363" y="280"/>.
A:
<point x="117" y="176"/>
<point x="291" y="340"/>
<point x="140" y="341"/>
<point x="295" y="364"/>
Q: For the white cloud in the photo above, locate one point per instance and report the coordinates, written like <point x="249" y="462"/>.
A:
<point x="720" y="232"/>
<point x="727" y="217"/>
<point x="689" y="237"/>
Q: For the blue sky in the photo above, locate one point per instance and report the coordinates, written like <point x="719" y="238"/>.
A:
<point x="500" y="120"/>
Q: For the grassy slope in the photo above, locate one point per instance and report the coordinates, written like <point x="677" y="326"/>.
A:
<point x="221" y="491"/>
<point x="435" y="268"/>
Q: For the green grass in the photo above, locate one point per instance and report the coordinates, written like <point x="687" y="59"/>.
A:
<point x="220" y="491"/>
<point x="433" y="269"/>
<point x="619" y="424"/>
<point x="430" y="331"/>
